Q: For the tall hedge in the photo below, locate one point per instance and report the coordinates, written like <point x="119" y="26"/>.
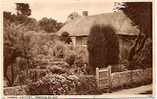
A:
<point x="103" y="47"/>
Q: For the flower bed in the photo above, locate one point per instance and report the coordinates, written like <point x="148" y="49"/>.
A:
<point x="54" y="84"/>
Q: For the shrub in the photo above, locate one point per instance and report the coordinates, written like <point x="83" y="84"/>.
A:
<point x="54" y="84"/>
<point x="81" y="56"/>
<point x="59" y="50"/>
<point x="44" y="48"/>
<point x="70" y="57"/>
<point x="56" y="69"/>
<point x="87" y="88"/>
<point x="63" y="84"/>
<point x="103" y="47"/>
<point x="65" y="37"/>
<point x="35" y="48"/>
<point x="77" y="58"/>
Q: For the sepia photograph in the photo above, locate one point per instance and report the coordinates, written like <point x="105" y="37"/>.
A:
<point x="78" y="47"/>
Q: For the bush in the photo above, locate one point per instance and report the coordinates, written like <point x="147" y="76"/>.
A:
<point x="77" y="58"/>
<point x="70" y="57"/>
<point x="87" y="88"/>
<point x="63" y="84"/>
<point x="81" y="56"/>
<point x="59" y="50"/>
<point x="65" y="38"/>
<point x="54" y="84"/>
<point x="35" y="48"/>
<point x="103" y="47"/>
<point x="56" y="69"/>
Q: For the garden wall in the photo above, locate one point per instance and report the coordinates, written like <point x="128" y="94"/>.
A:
<point x="16" y="90"/>
<point x="128" y="78"/>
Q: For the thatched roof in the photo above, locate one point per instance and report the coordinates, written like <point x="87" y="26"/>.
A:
<point x="81" y="26"/>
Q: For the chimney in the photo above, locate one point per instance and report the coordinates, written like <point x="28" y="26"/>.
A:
<point x="84" y="13"/>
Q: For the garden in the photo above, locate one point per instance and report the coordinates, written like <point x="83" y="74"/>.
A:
<point x="38" y="62"/>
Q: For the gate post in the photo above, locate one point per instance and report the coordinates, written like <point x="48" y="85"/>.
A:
<point x="97" y="77"/>
<point x="109" y="79"/>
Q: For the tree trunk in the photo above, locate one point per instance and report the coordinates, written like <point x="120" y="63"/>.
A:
<point x="137" y="46"/>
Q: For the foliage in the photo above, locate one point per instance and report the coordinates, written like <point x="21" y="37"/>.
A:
<point x="54" y="84"/>
<point x="59" y="49"/>
<point x="63" y="84"/>
<point x="23" y="39"/>
<point x="10" y="48"/>
<point x="27" y="23"/>
<point x="56" y="69"/>
<point x="44" y="49"/>
<point x="59" y="25"/>
<point x="16" y="44"/>
<point x="37" y="49"/>
<point x="103" y="48"/>
<point x="89" y="88"/>
<point x="70" y="57"/>
<point x="81" y="56"/>
<point x="8" y="16"/>
<point x="143" y="59"/>
<point x="22" y="12"/>
<point x="49" y="25"/>
<point x="141" y="15"/>
<point x="31" y="24"/>
<point x="65" y="37"/>
<point x="23" y="9"/>
<point x="77" y="58"/>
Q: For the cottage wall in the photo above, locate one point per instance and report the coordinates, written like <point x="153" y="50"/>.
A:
<point x="125" y="44"/>
<point x="73" y="41"/>
<point x="81" y="40"/>
<point x="124" y="41"/>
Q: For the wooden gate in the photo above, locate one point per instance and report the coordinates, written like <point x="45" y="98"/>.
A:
<point x="103" y="78"/>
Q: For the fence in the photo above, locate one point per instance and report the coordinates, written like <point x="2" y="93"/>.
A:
<point x="106" y="79"/>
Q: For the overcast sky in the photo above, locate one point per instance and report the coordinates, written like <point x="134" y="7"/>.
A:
<point x="60" y="9"/>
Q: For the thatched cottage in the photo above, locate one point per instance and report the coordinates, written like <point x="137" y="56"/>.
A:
<point x="79" y="28"/>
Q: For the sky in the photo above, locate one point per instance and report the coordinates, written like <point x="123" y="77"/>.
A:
<point x="59" y="9"/>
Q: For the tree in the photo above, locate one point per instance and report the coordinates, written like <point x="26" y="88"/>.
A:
<point x="103" y="47"/>
<point x="65" y="37"/>
<point x="22" y="12"/>
<point x="31" y="24"/>
<point x="59" y="25"/>
<point x="15" y="45"/>
<point x="48" y="24"/>
<point x="8" y="16"/>
<point x="141" y="15"/>
<point x="11" y="51"/>
<point x="23" y="9"/>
